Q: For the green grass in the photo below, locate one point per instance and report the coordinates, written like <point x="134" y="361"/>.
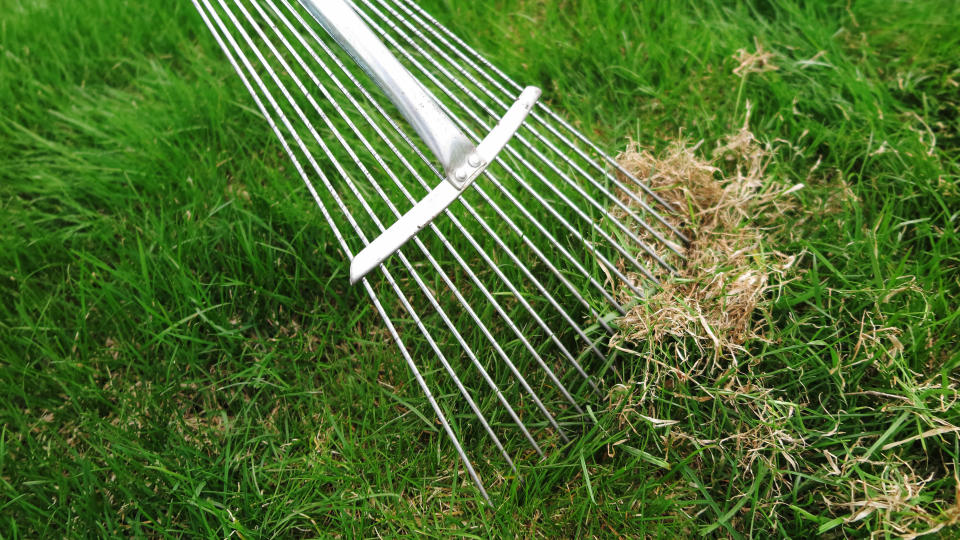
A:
<point x="180" y="352"/>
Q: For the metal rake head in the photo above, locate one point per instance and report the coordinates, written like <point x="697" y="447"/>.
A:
<point x="513" y="291"/>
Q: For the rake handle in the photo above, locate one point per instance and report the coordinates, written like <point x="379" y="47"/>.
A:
<point x="415" y="102"/>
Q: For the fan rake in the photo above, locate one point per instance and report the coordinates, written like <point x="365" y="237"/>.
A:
<point x="508" y="299"/>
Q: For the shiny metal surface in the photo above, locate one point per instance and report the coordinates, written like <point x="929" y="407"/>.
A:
<point x="413" y="100"/>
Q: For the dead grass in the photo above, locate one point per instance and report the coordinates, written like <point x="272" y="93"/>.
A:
<point x="703" y="317"/>
<point x="728" y="270"/>
<point x="692" y="338"/>
<point x="758" y="61"/>
<point x="897" y="497"/>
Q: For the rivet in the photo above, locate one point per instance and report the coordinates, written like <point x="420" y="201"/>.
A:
<point x="474" y="160"/>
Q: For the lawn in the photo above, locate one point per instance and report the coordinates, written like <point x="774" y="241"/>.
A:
<point x="181" y="353"/>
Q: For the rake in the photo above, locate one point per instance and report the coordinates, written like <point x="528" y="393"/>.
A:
<point x="505" y="280"/>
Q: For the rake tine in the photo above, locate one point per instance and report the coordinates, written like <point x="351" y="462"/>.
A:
<point x="462" y="161"/>
<point x="555" y="117"/>
<point x="626" y="230"/>
<point x="426" y="389"/>
<point x="427" y="293"/>
<point x="279" y="112"/>
<point x="432" y="29"/>
<point x="443" y="239"/>
<point x="434" y="263"/>
<point x="517" y="230"/>
<point x="436" y="266"/>
<point x="423" y="183"/>
<point x="616" y="245"/>
<point x="556" y="244"/>
<point x="613" y="198"/>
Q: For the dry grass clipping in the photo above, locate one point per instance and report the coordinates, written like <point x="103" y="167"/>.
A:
<point x="695" y="330"/>
<point x="758" y="61"/>
<point x="708" y="311"/>
<point x="727" y="271"/>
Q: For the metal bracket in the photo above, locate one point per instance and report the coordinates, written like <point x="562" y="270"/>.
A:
<point x="468" y="171"/>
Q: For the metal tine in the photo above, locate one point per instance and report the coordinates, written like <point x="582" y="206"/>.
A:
<point x="393" y="208"/>
<point x="430" y="297"/>
<point x="434" y="24"/>
<point x="423" y="183"/>
<point x="429" y="163"/>
<point x="587" y="245"/>
<point x="407" y="306"/>
<point x="583" y="155"/>
<point x="332" y="101"/>
<point x="425" y="159"/>
<point x="519" y="232"/>
<point x="431" y="28"/>
<point x="448" y="429"/>
<point x="565" y="157"/>
<point x="522" y="235"/>
<point x="626" y="230"/>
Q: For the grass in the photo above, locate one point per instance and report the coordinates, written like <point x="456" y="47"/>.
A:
<point x="180" y="352"/>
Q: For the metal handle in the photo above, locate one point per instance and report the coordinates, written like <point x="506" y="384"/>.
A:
<point x="415" y="102"/>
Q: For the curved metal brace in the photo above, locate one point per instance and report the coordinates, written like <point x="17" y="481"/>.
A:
<point x="447" y="192"/>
